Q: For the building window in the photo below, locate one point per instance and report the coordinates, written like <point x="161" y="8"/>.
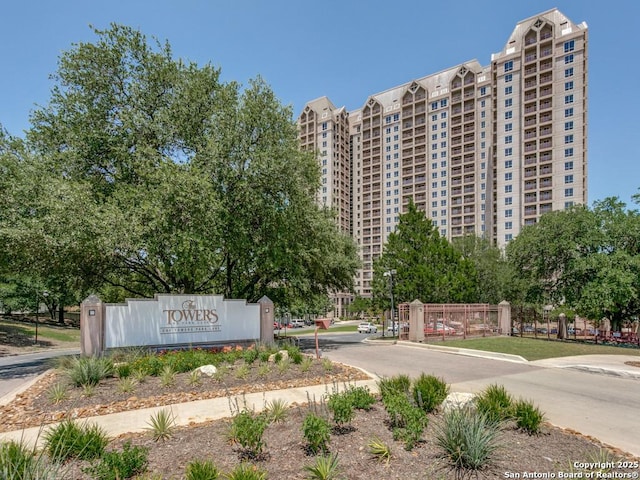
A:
<point x="568" y="139"/>
<point x="508" y="200"/>
<point x="508" y="189"/>
<point x="507" y="139"/>
<point x="434" y="156"/>
<point x="483" y="91"/>
<point x="443" y="154"/>
<point x="508" y="237"/>
<point x="568" y="192"/>
<point x="568" y="165"/>
<point x="568" y="99"/>
<point x="569" y="46"/>
<point x="568" y="205"/>
<point x="508" y="213"/>
<point x="388" y="119"/>
<point x="434" y="184"/>
<point x="443" y="135"/>
<point x="568" y="179"/>
<point x="434" y="146"/>
<point x="443" y="125"/>
<point x="443" y="115"/>
<point x="443" y="164"/>
<point x="568" y="125"/>
<point x="508" y="164"/>
<point x="434" y="105"/>
<point x="396" y="117"/>
<point x="568" y="72"/>
<point x="443" y="203"/>
<point x="434" y="175"/>
<point x="568" y="152"/>
<point x="508" y="66"/>
<point x="508" y="114"/>
<point x="434" y="204"/>
<point x="508" y="177"/>
<point x="324" y="125"/>
<point x="568" y="85"/>
<point x="508" y="127"/>
<point x="508" y="77"/>
<point x="443" y="144"/>
<point x="434" y="118"/>
<point x="508" y="152"/>
<point x="508" y="225"/>
<point x="434" y="127"/>
<point x="508" y="90"/>
<point x="568" y="112"/>
<point x="508" y="103"/>
<point x="443" y="183"/>
<point x="568" y="59"/>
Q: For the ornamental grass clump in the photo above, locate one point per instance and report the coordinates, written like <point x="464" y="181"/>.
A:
<point x="120" y="464"/>
<point x="69" y="440"/>
<point x="495" y="403"/>
<point x="468" y="438"/>
<point x="201" y="470"/>
<point x="528" y="417"/>
<point x="429" y="392"/>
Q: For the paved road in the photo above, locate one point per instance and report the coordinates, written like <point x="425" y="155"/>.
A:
<point x="602" y="406"/>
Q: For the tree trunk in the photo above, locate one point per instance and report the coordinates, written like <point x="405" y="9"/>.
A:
<point x="61" y="315"/>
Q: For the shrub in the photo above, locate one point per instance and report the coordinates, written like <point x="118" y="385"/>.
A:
<point x="398" y="383"/>
<point x="495" y="402"/>
<point x="242" y="371"/>
<point x="324" y="468"/>
<point x="89" y="370"/>
<point x="316" y="432"/>
<point x="201" y="470"/>
<point x="339" y="404"/>
<point x="406" y="420"/>
<point x="162" y="425"/>
<point x="70" y="440"/>
<point x="264" y="370"/>
<point x="118" y="465"/>
<point x="429" y="392"/>
<point x="468" y="438"/>
<point x="360" y="397"/>
<point x="247" y="430"/>
<point x="528" y="417"/>
<point x="250" y="356"/>
<point x="245" y="471"/>
<point x="123" y="370"/>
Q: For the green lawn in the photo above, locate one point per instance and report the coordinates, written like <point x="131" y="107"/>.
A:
<point x="537" y="349"/>
<point x="45" y="332"/>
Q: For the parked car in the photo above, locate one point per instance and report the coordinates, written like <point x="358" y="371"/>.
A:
<point x="438" y="330"/>
<point x="367" y="327"/>
<point x="296" y="323"/>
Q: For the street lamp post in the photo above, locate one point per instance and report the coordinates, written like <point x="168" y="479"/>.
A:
<point x="390" y="274"/>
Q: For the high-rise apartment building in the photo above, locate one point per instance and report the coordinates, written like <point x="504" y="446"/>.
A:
<point x="482" y="150"/>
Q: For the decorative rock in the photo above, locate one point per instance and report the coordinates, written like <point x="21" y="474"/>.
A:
<point x="457" y="400"/>
<point x="284" y="354"/>
<point x="208" y="370"/>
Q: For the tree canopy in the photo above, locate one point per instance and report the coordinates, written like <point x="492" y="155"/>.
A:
<point x="585" y="259"/>
<point x="146" y="174"/>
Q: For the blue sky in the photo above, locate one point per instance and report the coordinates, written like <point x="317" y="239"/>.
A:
<point x="306" y="49"/>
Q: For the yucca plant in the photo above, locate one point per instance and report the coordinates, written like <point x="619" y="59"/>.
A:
<point x="195" y="378"/>
<point x="277" y="410"/>
<point x="89" y="370"/>
<point x="246" y="471"/>
<point x="162" y="425"/>
<point x="284" y="365"/>
<point x="127" y="384"/>
<point x="201" y="470"/>
<point x="379" y="449"/>
<point x="167" y="376"/>
<point x="326" y="467"/>
<point x="58" y="393"/>
<point x="18" y="462"/>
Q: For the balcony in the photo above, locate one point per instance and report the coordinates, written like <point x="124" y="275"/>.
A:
<point x="530" y="58"/>
<point x="530" y="172"/>
<point x="530" y="159"/>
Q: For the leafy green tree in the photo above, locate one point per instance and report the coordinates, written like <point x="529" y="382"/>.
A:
<point x="585" y="259"/>
<point x="493" y="275"/>
<point x="427" y="266"/>
<point x="146" y="174"/>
